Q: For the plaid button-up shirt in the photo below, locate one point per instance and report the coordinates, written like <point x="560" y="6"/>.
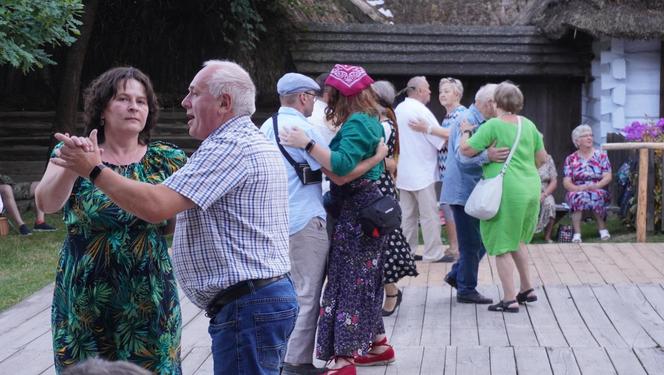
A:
<point x="239" y="229"/>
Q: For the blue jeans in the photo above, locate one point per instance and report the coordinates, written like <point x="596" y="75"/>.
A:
<point x="471" y="251"/>
<point x="250" y="335"/>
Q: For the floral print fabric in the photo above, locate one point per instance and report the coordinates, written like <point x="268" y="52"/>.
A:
<point x="350" y="313"/>
<point x="547" y="172"/>
<point x="586" y="172"/>
<point x="115" y="294"/>
<point x="399" y="261"/>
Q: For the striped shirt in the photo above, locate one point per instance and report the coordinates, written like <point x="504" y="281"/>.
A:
<point x="239" y="227"/>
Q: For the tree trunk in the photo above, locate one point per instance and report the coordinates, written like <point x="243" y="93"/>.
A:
<point x="67" y="106"/>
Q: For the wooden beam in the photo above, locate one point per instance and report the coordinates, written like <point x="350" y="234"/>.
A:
<point x="633" y="146"/>
<point x="641" y="205"/>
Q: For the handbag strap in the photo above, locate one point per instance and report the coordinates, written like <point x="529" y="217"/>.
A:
<point x="514" y="146"/>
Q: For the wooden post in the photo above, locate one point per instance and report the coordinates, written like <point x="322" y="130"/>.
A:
<point x="642" y="203"/>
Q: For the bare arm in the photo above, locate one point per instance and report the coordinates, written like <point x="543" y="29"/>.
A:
<point x="54" y="188"/>
<point x="601" y="184"/>
<point x="422" y="126"/>
<point x="540" y="157"/>
<point x="152" y="203"/>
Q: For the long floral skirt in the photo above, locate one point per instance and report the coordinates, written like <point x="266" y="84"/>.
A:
<point x="350" y="314"/>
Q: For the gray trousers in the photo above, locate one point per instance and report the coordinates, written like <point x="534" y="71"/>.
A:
<point x="308" y="255"/>
<point x="421" y="204"/>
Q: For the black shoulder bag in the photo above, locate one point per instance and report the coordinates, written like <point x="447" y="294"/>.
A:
<point x="303" y="170"/>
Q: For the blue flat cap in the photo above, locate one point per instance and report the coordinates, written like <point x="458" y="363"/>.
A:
<point x="294" y="83"/>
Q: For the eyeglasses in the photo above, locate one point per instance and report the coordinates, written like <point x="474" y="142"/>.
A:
<point x="315" y="97"/>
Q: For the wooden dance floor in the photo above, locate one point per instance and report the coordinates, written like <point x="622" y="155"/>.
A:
<point x="600" y="311"/>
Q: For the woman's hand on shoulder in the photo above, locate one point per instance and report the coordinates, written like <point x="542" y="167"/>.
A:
<point x="419" y="125"/>
<point x="294" y="137"/>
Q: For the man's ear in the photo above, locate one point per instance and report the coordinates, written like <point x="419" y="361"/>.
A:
<point x="225" y="103"/>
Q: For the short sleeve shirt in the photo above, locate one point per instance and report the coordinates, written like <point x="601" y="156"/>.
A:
<point x="239" y="227"/>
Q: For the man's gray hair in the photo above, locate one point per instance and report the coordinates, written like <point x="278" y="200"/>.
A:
<point x="385" y="91"/>
<point x="414" y="83"/>
<point x="485" y="93"/>
<point x="580" y="131"/>
<point x="231" y="79"/>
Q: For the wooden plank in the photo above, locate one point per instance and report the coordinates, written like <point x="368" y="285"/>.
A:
<point x="544" y="323"/>
<point x="582" y="266"/>
<point x="596" y="320"/>
<point x="27" y="309"/>
<point x="433" y="360"/>
<point x="642" y="312"/>
<point x="491" y="325"/>
<point x="502" y="360"/>
<point x="568" y="317"/>
<point x="408" y="324"/>
<point x="562" y="361"/>
<point x="654" y="293"/>
<point x="604" y="264"/>
<point x="626" y="265"/>
<point x="207" y="368"/>
<point x="561" y="266"/>
<point x="409" y="361"/>
<point x="532" y="360"/>
<point x="450" y="360"/>
<point x="545" y="270"/>
<point x="593" y="361"/>
<point x="651" y="253"/>
<point x="18" y="338"/>
<point x="652" y="359"/>
<point x="437" y="316"/>
<point x="33" y="359"/>
<point x="622" y="317"/>
<point x="625" y="361"/>
<point x="473" y="360"/>
<point x="629" y="250"/>
<point x="519" y="329"/>
<point x="194" y="359"/>
<point x="195" y="334"/>
<point x="463" y="324"/>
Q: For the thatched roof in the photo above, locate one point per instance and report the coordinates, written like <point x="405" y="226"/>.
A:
<point x="631" y="19"/>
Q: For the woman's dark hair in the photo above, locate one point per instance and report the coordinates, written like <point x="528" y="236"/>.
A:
<point x="104" y="88"/>
<point x="340" y="107"/>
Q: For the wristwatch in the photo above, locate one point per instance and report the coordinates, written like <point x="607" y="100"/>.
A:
<point x="310" y="145"/>
<point x="94" y="173"/>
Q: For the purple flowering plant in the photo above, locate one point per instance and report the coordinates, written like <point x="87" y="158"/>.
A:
<point x="646" y="131"/>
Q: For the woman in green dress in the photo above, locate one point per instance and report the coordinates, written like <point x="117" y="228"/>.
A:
<point x="505" y="234"/>
<point x="115" y="294"/>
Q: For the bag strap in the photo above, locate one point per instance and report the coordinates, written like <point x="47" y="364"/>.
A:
<point x="514" y="146"/>
<point x="275" y="125"/>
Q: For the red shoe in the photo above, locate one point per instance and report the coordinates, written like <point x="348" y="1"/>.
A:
<point x="371" y="359"/>
<point x="349" y="369"/>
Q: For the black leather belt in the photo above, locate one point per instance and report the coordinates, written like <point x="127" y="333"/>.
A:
<point x="236" y="291"/>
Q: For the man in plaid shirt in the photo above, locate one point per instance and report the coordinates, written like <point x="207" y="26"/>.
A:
<point x="230" y="247"/>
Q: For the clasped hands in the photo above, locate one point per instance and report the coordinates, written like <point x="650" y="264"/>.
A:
<point x="78" y="154"/>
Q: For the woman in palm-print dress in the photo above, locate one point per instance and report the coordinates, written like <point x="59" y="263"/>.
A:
<point x="398" y="260"/>
<point x="115" y="293"/>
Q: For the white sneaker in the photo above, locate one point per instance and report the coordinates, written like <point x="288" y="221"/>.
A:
<point x="576" y="238"/>
<point x="604" y="234"/>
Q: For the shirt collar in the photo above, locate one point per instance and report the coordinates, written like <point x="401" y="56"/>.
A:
<point x="476" y="113"/>
<point x="290" y="111"/>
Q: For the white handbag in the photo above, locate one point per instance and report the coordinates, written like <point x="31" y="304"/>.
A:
<point x="484" y="201"/>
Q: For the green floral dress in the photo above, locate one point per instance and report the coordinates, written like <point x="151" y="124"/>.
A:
<point x="115" y="293"/>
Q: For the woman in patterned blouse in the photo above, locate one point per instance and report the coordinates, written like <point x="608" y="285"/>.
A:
<point x="587" y="173"/>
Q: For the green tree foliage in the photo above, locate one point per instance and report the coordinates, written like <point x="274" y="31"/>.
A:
<point x="27" y="26"/>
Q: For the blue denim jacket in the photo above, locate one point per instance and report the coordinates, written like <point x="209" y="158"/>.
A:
<point x="462" y="173"/>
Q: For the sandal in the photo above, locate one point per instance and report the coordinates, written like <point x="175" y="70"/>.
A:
<point x="504" y="306"/>
<point x="525" y="296"/>
<point x="398" y="296"/>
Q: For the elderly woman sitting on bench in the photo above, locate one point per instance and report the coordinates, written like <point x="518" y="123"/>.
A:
<point x="587" y="173"/>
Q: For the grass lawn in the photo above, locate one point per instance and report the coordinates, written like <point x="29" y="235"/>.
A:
<point x="27" y="264"/>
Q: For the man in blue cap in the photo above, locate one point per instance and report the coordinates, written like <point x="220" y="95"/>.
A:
<point x="308" y="239"/>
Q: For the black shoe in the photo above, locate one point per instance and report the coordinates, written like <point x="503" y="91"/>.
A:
<point x="43" y="227"/>
<point x="474" y="298"/>
<point x="301" y="369"/>
<point x="23" y="230"/>
<point x="445" y="259"/>
<point x="417" y="257"/>
<point x="399" y="297"/>
<point x="525" y="296"/>
<point x="451" y="281"/>
<point x="504" y="306"/>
